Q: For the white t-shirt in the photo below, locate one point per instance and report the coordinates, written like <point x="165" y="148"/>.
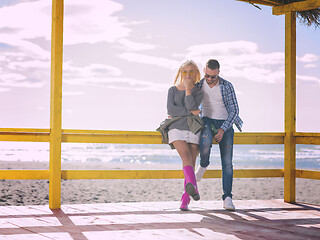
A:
<point x="212" y="103"/>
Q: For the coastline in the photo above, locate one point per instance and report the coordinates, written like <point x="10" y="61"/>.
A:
<point x="35" y="192"/>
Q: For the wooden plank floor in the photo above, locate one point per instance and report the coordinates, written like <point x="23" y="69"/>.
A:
<point x="253" y="219"/>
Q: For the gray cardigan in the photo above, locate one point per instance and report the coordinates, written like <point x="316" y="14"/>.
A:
<point x="195" y="124"/>
<point x="178" y="104"/>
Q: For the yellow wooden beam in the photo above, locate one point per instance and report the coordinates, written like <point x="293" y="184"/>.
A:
<point x="290" y="108"/>
<point x="56" y="105"/>
<point x="24" y="134"/>
<point x="259" y="138"/>
<point x="296" y="7"/>
<point x="24" y="137"/>
<point x="308" y="174"/>
<point x="247" y="173"/>
<point x="258" y="173"/>
<point x="306" y="134"/>
<point x="24" y="130"/>
<point x="110" y="132"/>
<point x="122" y="174"/>
<point x="164" y="174"/>
<point x="110" y="138"/>
<point x="155" y="138"/>
<point x="149" y="174"/>
<point x="129" y="137"/>
<point x="307" y="138"/>
<point x="24" y="174"/>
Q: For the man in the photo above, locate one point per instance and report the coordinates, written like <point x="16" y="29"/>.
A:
<point x="219" y="111"/>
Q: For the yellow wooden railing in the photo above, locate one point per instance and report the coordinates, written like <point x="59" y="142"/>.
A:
<point x="55" y="135"/>
<point x="139" y="137"/>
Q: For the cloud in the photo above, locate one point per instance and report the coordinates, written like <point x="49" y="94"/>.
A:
<point x="91" y="70"/>
<point x="135" y="46"/>
<point x="93" y="21"/>
<point x="99" y="75"/>
<point x="84" y="21"/>
<point x="12" y="77"/>
<point x="21" y="55"/>
<point x="33" y="64"/>
<point x="308" y="58"/>
<point x="310" y="65"/>
<point x="18" y="80"/>
<point x="223" y="48"/>
<point x="308" y="78"/>
<point x="152" y="60"/>
<point x="238" y="59"/>
<point x="69" y="93"/>
<point x="4" y="89"/>
<point x="118" y="83"/>
<point x="241" y="59"/>
<point x="20" y="69"/>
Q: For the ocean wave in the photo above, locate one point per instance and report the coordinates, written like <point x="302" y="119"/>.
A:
<point x="244" y="155"/>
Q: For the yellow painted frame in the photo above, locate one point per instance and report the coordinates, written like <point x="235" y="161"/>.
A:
<point x="295" y="7"/>
<point x="290" y="108"/>
<point x="55" y="135"/>
<point x="56" y="104"/>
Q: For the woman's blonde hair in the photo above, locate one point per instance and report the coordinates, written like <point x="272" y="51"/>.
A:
<point x="178" y="79"/>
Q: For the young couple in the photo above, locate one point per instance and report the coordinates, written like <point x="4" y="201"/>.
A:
<point x="219" y="109"/>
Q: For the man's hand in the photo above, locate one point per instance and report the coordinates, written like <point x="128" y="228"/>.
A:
<point x="195" y="112"/>
<point x="218" y="137"/>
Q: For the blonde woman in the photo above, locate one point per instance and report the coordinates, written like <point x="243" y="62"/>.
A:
<point x="183" y="103"/>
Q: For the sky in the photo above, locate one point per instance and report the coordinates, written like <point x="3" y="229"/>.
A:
<point x="121" y="57"/>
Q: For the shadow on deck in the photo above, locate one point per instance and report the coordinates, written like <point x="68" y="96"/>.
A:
<point x="253" y="219"/>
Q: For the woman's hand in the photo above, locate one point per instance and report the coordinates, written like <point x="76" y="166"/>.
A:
<point x="188" y="83"/>
<point x="195" y="112"/>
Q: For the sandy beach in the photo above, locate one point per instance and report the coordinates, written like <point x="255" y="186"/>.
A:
<point x="35" y="192"/>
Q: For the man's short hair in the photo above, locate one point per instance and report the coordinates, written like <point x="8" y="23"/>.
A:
<point x="213" y="64"/>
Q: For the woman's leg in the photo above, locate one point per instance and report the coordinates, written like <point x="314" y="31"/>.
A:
<point x="194" y="149"/>
<point x="187" y="157"/>
<point x="185" y="198"/>
<point x="185" y="153"/>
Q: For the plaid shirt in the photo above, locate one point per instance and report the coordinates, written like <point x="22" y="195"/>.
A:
<point x="230" y="102"/>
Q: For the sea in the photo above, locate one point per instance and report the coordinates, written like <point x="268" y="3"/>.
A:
<point x="244" y="156"/>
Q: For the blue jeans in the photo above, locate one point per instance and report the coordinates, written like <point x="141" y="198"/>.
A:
<point x="226" y="152"/>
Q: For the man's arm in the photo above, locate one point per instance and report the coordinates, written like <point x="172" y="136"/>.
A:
<point x="232" y="107"/>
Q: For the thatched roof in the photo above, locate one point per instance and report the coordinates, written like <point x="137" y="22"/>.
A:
<point x="309" y="17"/>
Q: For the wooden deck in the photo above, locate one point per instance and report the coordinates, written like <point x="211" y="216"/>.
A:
<point x="253" y="219"/>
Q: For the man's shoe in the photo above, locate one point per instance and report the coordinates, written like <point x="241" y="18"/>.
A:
<point x="199" y="173"/>
<point x="228" y="205"/>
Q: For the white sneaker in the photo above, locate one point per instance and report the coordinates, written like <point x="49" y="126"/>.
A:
<point x="199" y="173"/>
<point x="228" y="205"/>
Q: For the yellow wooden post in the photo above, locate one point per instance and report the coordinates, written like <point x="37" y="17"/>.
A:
<point x="290" y="108"/>
<point x="56" y="105"/>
